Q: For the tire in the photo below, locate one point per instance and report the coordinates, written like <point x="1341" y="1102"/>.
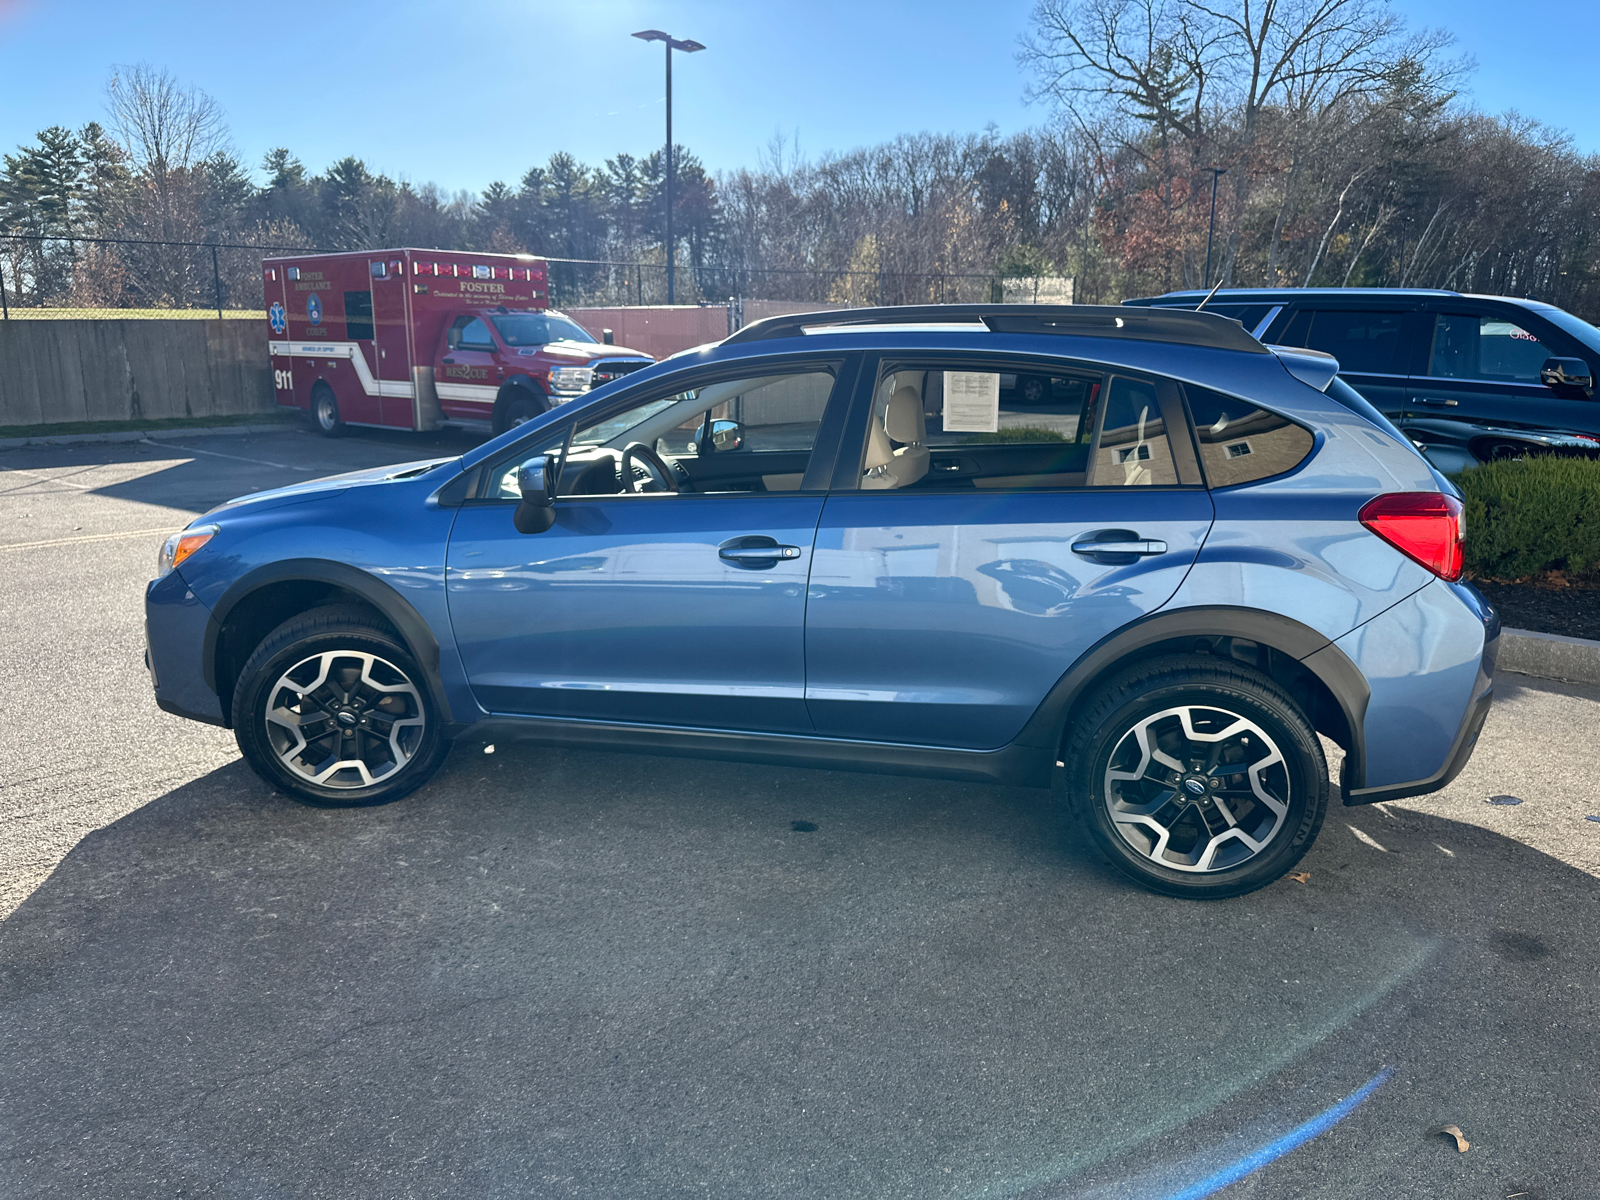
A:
<point x="325" y="412"/>
<point x="518" y="407"/>
<point x="370" y="699"/>
<point x="1225" y="833"/>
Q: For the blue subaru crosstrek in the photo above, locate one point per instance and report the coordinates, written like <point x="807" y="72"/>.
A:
<point x="1133" y="554"/>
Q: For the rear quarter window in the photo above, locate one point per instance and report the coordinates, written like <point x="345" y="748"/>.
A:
<point x="1240" y="443"/>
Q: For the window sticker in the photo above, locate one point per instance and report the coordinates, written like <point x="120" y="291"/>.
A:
<point x="971" y="402"/>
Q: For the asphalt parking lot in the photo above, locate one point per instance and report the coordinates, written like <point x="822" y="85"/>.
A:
<point x="572" y="973"/>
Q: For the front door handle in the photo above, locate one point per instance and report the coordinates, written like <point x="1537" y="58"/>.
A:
<point x="1140" y="548"/>
<point x="757" y="553"/>
<point x="1436" y="400"/>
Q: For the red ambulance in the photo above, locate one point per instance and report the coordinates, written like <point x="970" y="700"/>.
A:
<point x="416" y="339"/>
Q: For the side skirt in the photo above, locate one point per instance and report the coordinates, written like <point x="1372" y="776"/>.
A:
<point x="1015" y="765"/>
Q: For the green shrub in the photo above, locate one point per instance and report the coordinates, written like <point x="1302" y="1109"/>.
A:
<point x="1021" y="433"/>
<point x="1533" y="514"/>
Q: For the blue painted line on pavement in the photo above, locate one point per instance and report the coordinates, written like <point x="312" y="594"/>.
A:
<point x="1293" y="1140"/>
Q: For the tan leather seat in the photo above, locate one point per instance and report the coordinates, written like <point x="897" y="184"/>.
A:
<point x="902" y="421"/>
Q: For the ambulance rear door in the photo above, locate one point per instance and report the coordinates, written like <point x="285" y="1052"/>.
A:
<point x="392" y="340"/>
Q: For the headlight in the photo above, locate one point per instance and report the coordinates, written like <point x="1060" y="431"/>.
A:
<point x="570" y="379"/>
<point x="181" y="545"/>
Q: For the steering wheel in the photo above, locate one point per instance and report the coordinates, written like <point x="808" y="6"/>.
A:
<point x="655" y="475"/>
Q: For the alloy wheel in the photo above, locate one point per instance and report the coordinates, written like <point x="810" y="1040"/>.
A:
<point x="1197" y="788"/>
<point x="344" y="719"/>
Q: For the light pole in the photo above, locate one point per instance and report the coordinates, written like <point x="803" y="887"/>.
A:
<point x="688" y="47"/>
<point x="1212" y="232"/>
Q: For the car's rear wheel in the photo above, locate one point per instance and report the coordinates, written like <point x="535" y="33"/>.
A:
<point x="333" y="709"/>
<point x="1197" y="776"/>
<point x="325" y="411"/>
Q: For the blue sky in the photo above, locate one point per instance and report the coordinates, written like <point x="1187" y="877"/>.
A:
<point x="463" y="92"/>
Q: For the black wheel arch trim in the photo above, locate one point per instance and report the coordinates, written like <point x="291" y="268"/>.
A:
<point x="419" y="638"/>
<point x="1313" y="651"/>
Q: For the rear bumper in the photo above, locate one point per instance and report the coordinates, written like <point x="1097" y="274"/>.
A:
<point x="1428" y="658"/>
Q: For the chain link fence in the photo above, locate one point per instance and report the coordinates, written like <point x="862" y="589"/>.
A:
<point x="130" y="278"/>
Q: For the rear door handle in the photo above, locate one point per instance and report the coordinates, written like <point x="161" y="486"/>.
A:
<point x="757" y="553"/>
<point x="1144" y="547"/>
<point x="1436" y="400"/>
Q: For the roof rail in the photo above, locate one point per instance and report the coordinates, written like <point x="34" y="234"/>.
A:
<point x="1179" y="326"/>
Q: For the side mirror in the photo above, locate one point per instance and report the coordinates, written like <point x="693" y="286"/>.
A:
<point x="536" y="480"/>
<point x="1566" y="372"/>
<point x="726" y="436"/>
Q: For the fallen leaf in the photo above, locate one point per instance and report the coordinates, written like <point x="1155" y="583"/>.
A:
<point x="1454" y="1131"/>
<point x="1300" y="876"/>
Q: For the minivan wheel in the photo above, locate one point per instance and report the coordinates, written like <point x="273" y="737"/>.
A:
<point x="325" y="411"/>
<point x="1197" y="776"/>
<point x="333" y="710"/>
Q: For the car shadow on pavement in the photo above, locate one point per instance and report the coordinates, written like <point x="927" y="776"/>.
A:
<point x="558" y="973"/>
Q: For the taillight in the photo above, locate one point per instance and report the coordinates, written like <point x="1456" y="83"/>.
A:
<point x="1425" y="526"/>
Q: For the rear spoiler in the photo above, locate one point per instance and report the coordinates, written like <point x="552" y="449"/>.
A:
<point x="1308" y="366"/>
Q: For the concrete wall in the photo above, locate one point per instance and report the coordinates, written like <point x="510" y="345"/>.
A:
<point x="106" y="370"/>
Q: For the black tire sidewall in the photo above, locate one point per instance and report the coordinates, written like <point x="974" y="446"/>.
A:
<point x="318" y="394"/>
<point x="522" y="405"/>
<point x="1303" y="762"/>
<point x="249" y="703"/>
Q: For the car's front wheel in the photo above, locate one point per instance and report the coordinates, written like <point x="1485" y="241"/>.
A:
<point x="1197" y="776"/>
<point x="333" y="709"/>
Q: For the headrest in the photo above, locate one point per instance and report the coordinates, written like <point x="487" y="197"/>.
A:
<point x="903" y="418"/>
<point x="879" y="452"/>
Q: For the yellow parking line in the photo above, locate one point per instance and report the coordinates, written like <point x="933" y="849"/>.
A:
<point x="88" y="537"/>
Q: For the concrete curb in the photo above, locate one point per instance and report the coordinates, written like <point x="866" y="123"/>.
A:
<point x="139" y="435"/>
<point x="1549" y="656"/>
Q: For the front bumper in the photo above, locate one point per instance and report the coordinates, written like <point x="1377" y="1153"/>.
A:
<point x="174" y="631"/>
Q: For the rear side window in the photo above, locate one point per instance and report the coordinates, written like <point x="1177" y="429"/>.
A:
<point x="1240" y="443"/>
<point x="1363" y="342"/>
<point x="1132" y="449"/>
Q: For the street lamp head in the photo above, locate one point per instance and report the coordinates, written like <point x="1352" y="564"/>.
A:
<point x="655" y="35"/>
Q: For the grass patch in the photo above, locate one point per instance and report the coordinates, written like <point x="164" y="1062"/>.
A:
<point x="1530" y="516"/>
<point x="61" y="427"/>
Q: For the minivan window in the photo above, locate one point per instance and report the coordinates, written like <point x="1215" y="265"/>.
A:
<point x="1362" y="341"/>
<point x="1484" y="347"/>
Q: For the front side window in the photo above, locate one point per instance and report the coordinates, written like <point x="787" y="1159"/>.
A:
<point x="781" y="413"/>
<point x="1480" y="347"/>
<point x="742" y="435"/>
<point x="474" y="335"/>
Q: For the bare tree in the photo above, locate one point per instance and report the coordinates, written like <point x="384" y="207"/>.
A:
<point x="169" y="132"/>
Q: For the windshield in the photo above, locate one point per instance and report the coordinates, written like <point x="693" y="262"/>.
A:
<point x="1576" y="326"/>
<point x="535" y="329"/>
